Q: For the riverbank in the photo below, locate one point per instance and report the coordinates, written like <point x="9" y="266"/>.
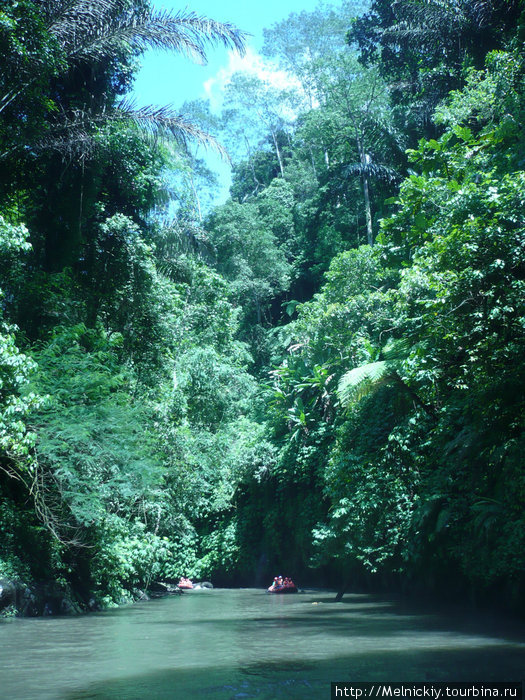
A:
<point x="19" y="599"/>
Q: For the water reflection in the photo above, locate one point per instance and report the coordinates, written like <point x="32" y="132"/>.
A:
<point x="243" y="644"/>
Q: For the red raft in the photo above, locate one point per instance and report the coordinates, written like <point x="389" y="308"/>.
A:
<point x="185" y="584"/>
<point x="281" y="585"/>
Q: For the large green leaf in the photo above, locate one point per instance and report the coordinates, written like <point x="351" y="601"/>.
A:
<point x="358" y="382"/>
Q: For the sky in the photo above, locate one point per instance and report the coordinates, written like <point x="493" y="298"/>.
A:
<point x="170" y="79"/>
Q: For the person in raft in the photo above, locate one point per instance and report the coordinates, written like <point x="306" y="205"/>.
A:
<point x="279" y="582"/>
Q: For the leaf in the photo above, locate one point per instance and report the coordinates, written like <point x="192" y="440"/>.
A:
<point x="356" y="383"/>
<point x="462" y="132"/>
<point x="421" y="222"/>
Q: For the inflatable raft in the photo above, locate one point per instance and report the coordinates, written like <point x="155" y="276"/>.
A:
<point x="185" y="584"/>
<point x="283" y="589"/>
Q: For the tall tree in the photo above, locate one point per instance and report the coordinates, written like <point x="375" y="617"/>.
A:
<point x="257" y="114"/>
<point x="423" y="47"/>
<point x="306" y="37"/>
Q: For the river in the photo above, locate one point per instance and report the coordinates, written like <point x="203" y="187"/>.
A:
<point x="225" y="644"/>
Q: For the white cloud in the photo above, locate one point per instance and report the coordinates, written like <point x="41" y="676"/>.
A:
<point x="253" y="64"/>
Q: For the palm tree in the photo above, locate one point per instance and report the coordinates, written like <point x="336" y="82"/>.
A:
<point x="428" y="21"/>
<point x="93" y="32"/>
<point x="423" y="47"/>
<point x="445" y="30"/>
<point x="366" y="168"/>
<point x="358" y="98"/>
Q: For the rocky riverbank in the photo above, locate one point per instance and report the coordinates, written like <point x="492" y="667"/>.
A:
<point x="20" y="599"/>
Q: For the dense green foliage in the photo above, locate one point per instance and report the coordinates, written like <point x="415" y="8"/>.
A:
<point x="323" y="375"/>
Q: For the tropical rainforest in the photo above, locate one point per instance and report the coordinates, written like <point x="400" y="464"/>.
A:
<point x="325" y="374"/>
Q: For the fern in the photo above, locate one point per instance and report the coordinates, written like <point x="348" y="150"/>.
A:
<point x="358" y="382"/>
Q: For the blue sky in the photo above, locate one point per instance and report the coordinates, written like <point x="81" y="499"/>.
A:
<point x="170" y="79"/>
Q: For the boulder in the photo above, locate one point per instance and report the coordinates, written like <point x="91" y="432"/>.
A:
<point x="45" y="598"/>
<point x="15" y="595"/>
<point x="7" y="593"/>
<point x="163" y="588"/>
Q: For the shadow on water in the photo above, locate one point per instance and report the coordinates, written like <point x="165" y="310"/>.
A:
<point x="437" y="616"/>
<point x="373" y="616"/>
<point x="305" y="679"/>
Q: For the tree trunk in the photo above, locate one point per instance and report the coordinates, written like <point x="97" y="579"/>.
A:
<point x="281" y="167"/>
<point x="365" y="160"/>
<point x="342" y="591"/>
<point x="429" y="410"/>
<point x="313" y="161"/>
<point x="196" y="197"/>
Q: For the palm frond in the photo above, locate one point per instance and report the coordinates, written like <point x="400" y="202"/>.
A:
<point x="178" y="238"/>
<point x="404" y="33"/>
<point x="76" y="133"/>
<point x="71" y="20"/>
<point x="91" y="31"/>
<point x="431" y="13"/>
<point x="79" y="10"/>
<point x="370" y="169"/>
<point x="398" y="349"/>
<point x="423" y="20"/>
<point x="165" y="122"/>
